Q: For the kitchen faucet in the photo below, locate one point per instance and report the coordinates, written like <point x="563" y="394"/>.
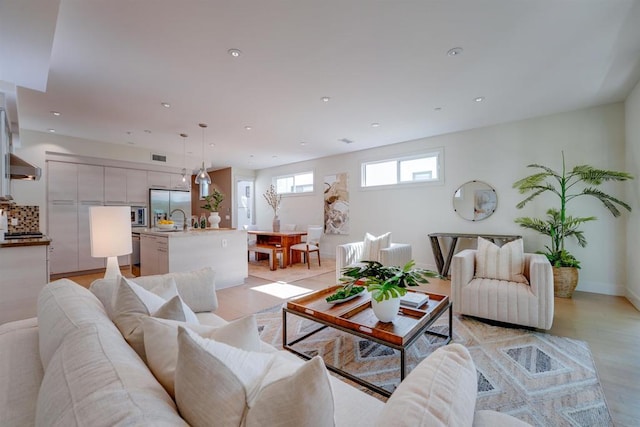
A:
<point x="184" y="218"/>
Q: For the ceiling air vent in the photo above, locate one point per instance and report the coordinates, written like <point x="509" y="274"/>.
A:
<point x="159" y="158"/>
<point x="346" y="141"/>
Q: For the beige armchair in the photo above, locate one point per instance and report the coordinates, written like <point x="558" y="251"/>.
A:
<point x="518" y="303"/>
<point x="351" y="253"/>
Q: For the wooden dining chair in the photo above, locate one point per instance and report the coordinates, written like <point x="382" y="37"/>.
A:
<point x="312" y="244"/>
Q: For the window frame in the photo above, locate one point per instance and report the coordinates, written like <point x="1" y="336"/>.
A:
<point x="438" y="153"/>
<point x="293" y="175"/>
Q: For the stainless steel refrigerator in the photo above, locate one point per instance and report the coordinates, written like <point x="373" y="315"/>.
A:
<point x="163" y="202"/>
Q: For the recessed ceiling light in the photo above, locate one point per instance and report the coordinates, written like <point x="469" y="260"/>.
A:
<point x="479" y="99"/>
<point x="212" y="145"/>
<point x="303" y="143"/>
<point x="248" y="128"/>
<point x="251" y="156"/>
<point x="55" y="113"/>
<point x="346" y="141"/>
<point x="165" y="104"/>
<point x="454" y="51"/>
<point x="375" y="125"/>
<point x="147" y="131"/>
<point x="325" y="99"/>
<point x="131" y="143"/>
<point x="274" y="157"/>
<point x="129" y="132"/>
<point x="437" y="109"/>
<point x="234" y="52"/>
<point x="51" y="130"/>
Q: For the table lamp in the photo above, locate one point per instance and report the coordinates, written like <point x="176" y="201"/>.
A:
<point x="110" y="231"/>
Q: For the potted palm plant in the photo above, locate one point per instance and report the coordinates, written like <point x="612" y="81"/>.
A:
<point x="558" y="225"/>
<point x="214" y="200"/>
<point x="386" y="284"/>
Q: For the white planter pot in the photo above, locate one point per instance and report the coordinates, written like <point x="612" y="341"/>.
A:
<point x="386" y="310"/>
<point x="214" y="219"/>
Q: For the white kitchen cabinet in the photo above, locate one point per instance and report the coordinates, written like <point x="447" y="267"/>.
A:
<point x="62" y="181"/>
<point x="25" y="271"/>
<point x="159" y="179"/>
<point x="154" y="255"/>
<point x="115" y="186"/>
<point x="63" y="231"/>
<point x="90" y="183"/>
<point x="137" y="187"/>
<point x="85" y="260"/>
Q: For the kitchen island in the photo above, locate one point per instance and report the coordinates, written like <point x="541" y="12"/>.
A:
<point x="223" y="249"/>
<point x="24" y="271"/>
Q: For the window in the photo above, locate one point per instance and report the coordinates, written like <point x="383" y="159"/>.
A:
<point x="297" y="183"/>
<point x="421" y="168"/>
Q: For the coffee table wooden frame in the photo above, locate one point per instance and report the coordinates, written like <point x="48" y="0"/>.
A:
<point x="356" y="317"/>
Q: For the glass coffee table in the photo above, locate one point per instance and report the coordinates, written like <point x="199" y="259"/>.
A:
<point x="356" y="317"/>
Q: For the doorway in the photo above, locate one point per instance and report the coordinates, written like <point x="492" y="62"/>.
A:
<point x="244" y="190"/>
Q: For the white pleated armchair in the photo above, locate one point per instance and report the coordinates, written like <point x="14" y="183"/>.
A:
<point x="352" y="253"/>
<point x="527" y="304"/>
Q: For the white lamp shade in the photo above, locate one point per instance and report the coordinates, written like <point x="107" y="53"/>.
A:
<point x="110" y="230"/>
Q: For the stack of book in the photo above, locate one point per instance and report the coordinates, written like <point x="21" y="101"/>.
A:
<point x="414" y="299"/>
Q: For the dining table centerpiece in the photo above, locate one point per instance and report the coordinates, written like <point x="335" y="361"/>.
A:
<point x="274" y="199"/>
<point x="385" y="283"/>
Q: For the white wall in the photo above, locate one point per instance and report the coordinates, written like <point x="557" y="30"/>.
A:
<point x="497" y="155"/>
<point x="632" y="155"/>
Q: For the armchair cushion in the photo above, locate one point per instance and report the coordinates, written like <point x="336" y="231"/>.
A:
<point x="502" y="263"/>
<point x="373" y="245"/>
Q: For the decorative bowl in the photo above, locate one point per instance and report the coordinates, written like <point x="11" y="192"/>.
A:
<point x="165" y="226"/>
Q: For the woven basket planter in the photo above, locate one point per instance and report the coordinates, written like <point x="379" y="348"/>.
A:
<point x="565" y="280"/>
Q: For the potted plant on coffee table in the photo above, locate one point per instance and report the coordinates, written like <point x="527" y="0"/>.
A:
<point x="386" y="284"/>
<point x="214" y="200"/>
<point x="558" y="225"/>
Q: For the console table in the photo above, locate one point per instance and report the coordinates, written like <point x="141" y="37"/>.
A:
<point x="444" y="263"/>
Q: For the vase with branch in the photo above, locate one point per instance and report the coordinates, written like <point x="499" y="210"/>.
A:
<point x="274" y="199"/>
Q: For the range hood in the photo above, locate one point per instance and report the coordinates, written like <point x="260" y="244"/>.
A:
<point x="21" y="169"/>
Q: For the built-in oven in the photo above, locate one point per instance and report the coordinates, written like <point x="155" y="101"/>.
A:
<point x="139" y="216"/>
<point x="135" y="254"/>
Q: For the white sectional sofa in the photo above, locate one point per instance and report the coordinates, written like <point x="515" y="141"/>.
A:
<point x="71" y="366"/>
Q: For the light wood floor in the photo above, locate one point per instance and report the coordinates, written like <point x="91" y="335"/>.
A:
<point x="609" y="324"/>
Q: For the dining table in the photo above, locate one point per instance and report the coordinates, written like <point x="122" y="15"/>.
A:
<point x="280" y="239"/>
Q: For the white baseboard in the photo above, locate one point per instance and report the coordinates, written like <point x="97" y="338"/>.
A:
<point x="633" y="298"/>
<point x="601" y="288"/>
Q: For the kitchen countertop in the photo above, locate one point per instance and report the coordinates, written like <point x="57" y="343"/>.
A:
<point x="180" y="233"/>
<point x="42" y="241"/>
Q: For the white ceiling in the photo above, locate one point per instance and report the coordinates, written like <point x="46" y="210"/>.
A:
<point x="112" y="63"/>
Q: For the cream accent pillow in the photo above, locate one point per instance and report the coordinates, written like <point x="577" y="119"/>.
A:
<point x="441" y="391"/>
<point x="372" y="246"/>
<point x="502" y="263"/>
<point x="217" y="384"/>
<point x="161" y="342"/>
<point x="134" y="302"/>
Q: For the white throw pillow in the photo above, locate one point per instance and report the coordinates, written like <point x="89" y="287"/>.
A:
<point x="441" y="391"/>
<point x="133" y="302"/>
<point x="161" y="342"/>
<point x="501" y="263"/>
<point x="217" y="384"/>
<point x="372" y="246"/>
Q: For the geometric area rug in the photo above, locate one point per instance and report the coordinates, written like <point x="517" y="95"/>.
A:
<point x="539" y="378"/>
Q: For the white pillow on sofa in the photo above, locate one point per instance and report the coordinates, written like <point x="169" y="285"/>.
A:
<point x="217" y="384"/>
<point x="373" y="244"/>
<point x="441" y="391"/>
<point x="161" y="342"/>
<point x="133" y="302"/>
<point x="501" y="263"/>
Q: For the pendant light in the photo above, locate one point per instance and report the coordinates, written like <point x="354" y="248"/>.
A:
<point x="186" y="179"/>
<point x="202" y="177"/>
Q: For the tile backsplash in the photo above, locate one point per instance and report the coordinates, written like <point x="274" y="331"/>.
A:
<point x="28" y="218"/>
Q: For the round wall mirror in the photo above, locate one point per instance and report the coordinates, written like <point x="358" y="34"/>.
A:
<point x="475" y="200"/>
